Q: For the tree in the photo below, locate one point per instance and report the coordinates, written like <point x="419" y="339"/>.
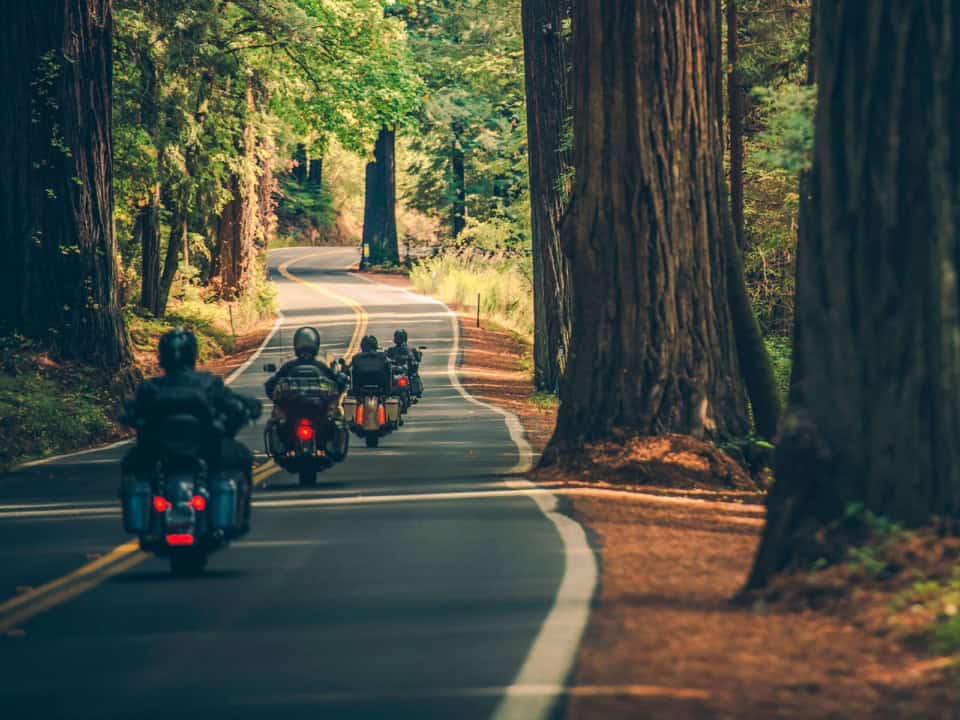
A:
<point x="239" y="222"/>
<point x="874" y="420"/>
<point x="380" y="205"/>
<point x="58" y="251"/>
<point x="549" y="163"/>
<point x="653" y="347"/>
<point x="735" y="113"/>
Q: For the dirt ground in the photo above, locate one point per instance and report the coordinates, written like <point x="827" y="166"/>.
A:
<point x="665" y="638"/>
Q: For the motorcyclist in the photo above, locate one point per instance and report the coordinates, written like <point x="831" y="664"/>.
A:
<point x="401" y="353"/>
<point x="370" y="367"/>
<point x="177" y="353"/>
<point x="306" y="347"/>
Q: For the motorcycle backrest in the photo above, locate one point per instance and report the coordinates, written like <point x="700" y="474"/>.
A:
<point x="180" y="427"/>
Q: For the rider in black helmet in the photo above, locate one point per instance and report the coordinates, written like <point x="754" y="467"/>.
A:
<point x="402" y="353"/>
<point x="306" y="346"/>
<point x="370" y="367"/>
<point x="177" y="353"/>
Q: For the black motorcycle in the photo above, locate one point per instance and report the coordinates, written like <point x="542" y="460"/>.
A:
<point x="182" y="509"/>
<point x="307" y="433"/>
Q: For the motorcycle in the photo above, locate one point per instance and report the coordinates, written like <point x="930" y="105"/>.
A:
<point x="406" y="384"/>
<point x="181" y="509"/>
<point x="371" y="414"/>
<point x="308" y="433"/>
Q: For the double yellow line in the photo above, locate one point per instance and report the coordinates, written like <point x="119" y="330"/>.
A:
<point x="33" y="601"/>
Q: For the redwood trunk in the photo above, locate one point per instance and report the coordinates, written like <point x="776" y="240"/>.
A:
<point x="547" y="104"/>
<point x="653" y="347"/>
<point x="239" y="223"/>
<point x="176" y="244"/>
<point x="735" y="110"/>
<point x="58" y="255"/>
<point x="876" y="419"/>
<point x="150" y="253"/>
<point x="380" y="206"/>
<point x="316" y="171"/>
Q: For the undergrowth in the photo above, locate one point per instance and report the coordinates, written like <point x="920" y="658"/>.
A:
<point x="503" y="284"/>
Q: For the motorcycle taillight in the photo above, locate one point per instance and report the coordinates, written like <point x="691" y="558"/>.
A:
<point x="305" y="430"/>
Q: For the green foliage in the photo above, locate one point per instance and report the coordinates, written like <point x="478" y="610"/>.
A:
<point x="872" y="558"/>
<point x="780" y="350"/>
<point x="46" y="408"/>
<point x="303" y="211"/>
<point x="545" y="400"/>
<point x="786" y="143"/>
<point x="470" y="55"/>
<point x="503" y="283"/>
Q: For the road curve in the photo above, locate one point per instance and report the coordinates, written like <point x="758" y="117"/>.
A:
<point x="419" y="579"/>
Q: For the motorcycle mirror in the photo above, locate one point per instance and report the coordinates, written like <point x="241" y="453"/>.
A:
<point x="422" y="347"/>
<point x="270" y="368"/>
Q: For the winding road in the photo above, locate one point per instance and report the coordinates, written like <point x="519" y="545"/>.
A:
<point x="424" y="578"/>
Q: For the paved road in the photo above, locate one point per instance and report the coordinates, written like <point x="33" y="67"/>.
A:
<point x="415" y="581"/>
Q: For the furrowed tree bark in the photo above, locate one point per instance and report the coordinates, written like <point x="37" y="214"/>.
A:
<point x="877" y="419"/>
<point x="653" y="347"/>
<point x="547" y="104"/>
<point x="238" y="225"/>
<point x="380" y="206"/>
<point x="149" y="221"/>
<point x="58" y="255"/>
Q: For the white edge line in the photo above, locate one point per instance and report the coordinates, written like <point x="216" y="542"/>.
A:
<point x="229" y="379"/>
<point x="550" y="659"/>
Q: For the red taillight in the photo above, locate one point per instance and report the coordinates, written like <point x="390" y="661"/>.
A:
<point x="402" y="381"/>
<point x="160" y="503"/>
<point x="382" y="415"/>
<point x="359" y="414"/>
<point x="305" y="430"/>
<point x="198" y="503"/>
<point x="179" y="539"/>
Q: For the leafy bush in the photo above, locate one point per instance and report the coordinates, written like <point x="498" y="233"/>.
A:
<point x="780" y="351"/>
<point x="503" y="284"/>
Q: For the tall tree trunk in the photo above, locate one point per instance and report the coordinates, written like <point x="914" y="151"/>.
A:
<point x="300" y="171"/>
<point x="758" y="377"/>
<point x="458" y="211"/>
<point x="58" y="256"/>
<point x="653" y="347"/>
<point x="176" y="244"/>
<point x="150" y="253"/>
<point x="796" y="366"/>
<point x="877" y="420"/>
<point x="549" y="161"/>
<point x="315" y="175"/>
<point x="266" y="187"/>
<point x="239" y="223"/>
<point x="380" y="205"/>
<point x="735" y="110"/>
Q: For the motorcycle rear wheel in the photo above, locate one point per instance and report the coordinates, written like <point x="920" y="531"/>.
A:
<point x="188" y="563"/>
<point x="372" y="441"/>
<point x="308" y="478"/>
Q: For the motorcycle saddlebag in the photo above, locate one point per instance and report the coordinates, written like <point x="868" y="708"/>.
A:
<point x="350" y="409"/>
<point x="393" y="410"/>
<point x="135" y="499"/>
<point x="224" y="502"/>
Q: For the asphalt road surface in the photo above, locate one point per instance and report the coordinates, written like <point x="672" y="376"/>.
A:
<point x="419" y="579"/>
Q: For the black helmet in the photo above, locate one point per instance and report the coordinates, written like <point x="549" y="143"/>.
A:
<point x="177" y="350"/>
<point x="369" y="344"/>
<point x="400" y="337"/>
<point x="306" y="343"/>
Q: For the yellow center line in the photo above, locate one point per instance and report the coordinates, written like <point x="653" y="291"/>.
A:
<point x="362" y="318"/>
<point x="124" y="557"/>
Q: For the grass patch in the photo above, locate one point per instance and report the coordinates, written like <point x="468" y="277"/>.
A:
<point x="503" y="284"/>
<point x="545" y="400"/>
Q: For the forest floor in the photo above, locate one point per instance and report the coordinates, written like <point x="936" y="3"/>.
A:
<point x="49" y="407"/>
<point x="676" y="527"/>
